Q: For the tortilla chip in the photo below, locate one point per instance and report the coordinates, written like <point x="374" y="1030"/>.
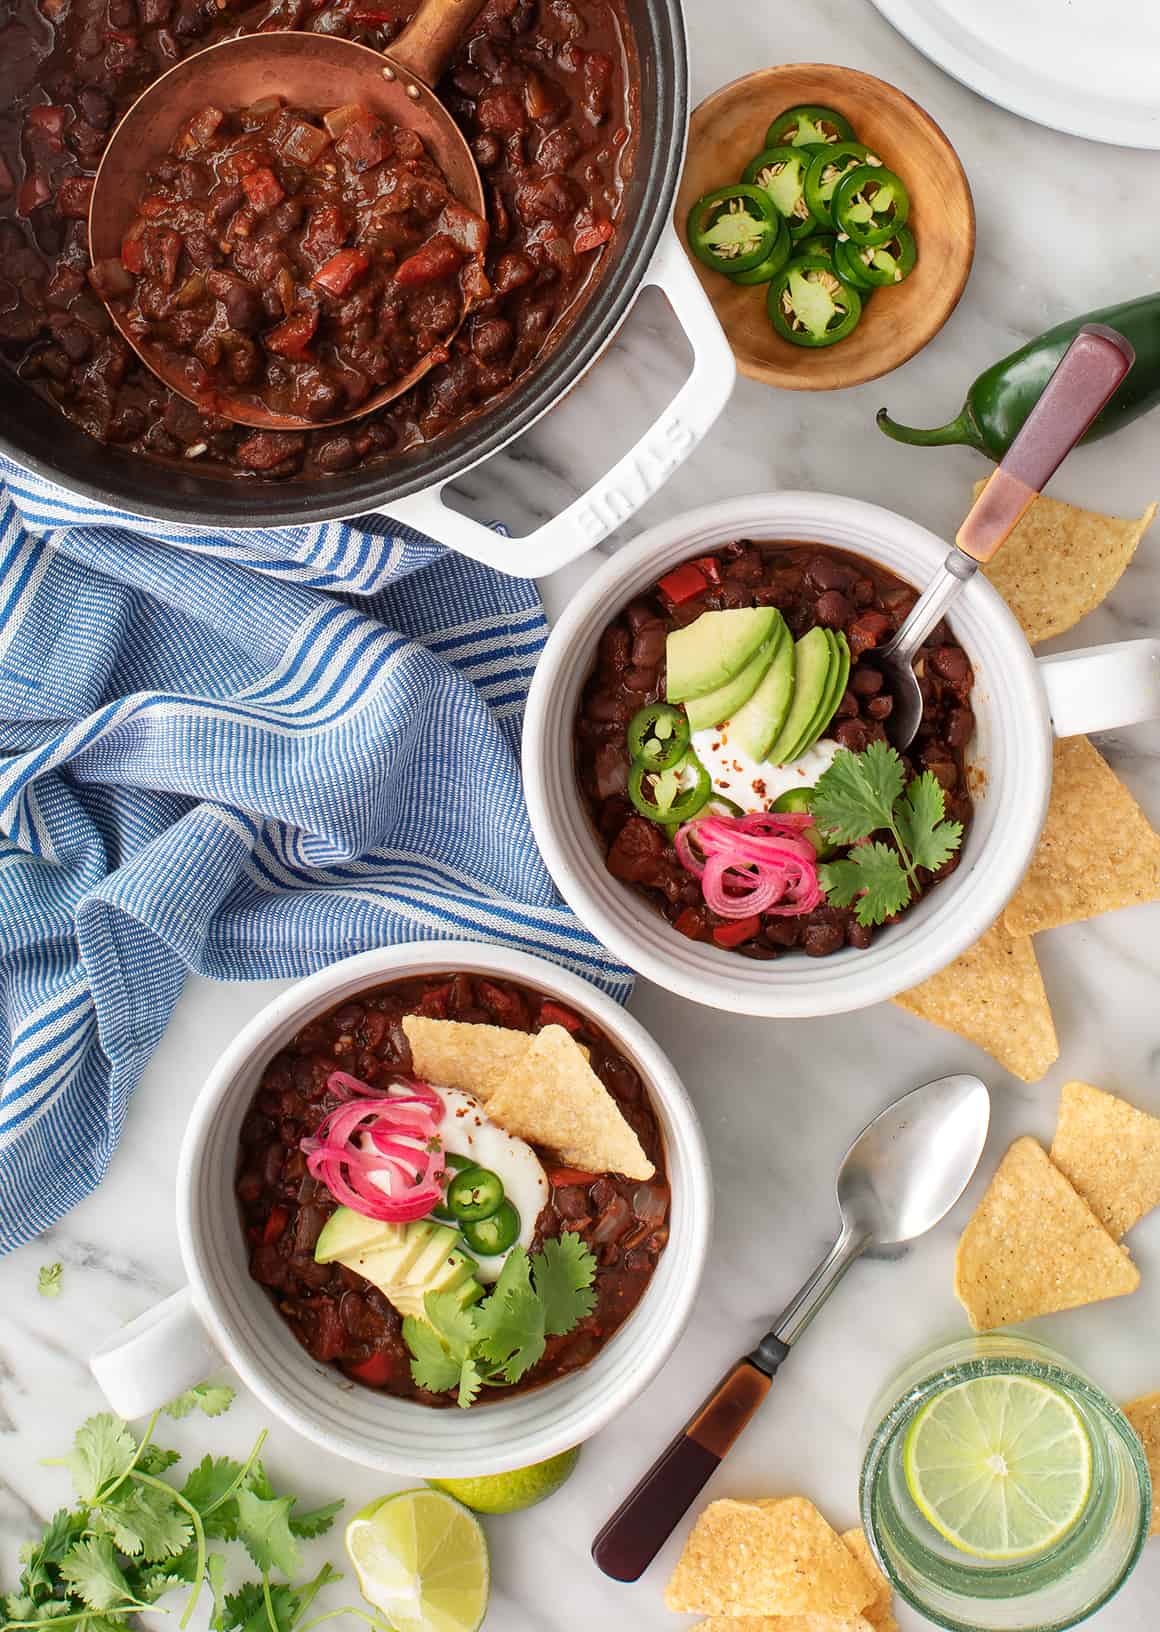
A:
<point x="787" y="1623"/>
<point x="1110" y="1152"/>
<point x="1097" y="851"/>
<point x="553" y="1097"/>
<point x="457" y="1054"/>
<point x="993" y="996"/>
<point x="880" y="1610"/>
<point x="1034" y="1246"/>
<point x="776" y="1557"/>
<point x="1144" y="1415"/>
<point x="1060" y="563"/>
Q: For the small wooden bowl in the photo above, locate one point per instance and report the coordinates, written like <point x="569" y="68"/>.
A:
<point x="728" y="129"/>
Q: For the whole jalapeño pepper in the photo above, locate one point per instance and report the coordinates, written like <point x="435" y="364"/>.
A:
<point x="1004" y="394"/>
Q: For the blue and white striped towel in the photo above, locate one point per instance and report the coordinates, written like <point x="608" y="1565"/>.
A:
<point x="209" y="763"/>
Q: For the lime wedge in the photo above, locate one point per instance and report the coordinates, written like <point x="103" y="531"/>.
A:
<point x="512" y="1492"/>
<point x="1001" y="1466"/>
<point x="421" y="1559"/>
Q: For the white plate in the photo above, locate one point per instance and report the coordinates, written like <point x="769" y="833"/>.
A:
<point x="1089" y="67"/>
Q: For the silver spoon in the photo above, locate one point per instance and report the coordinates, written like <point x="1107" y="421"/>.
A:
<point x="902" y="1174"/>
<point x="1087" y="375"/>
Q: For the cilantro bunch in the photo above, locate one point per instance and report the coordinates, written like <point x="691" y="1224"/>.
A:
<point x="861" y="795"/>
<point x="498" y="1341"/>
<point x="134" y="1536"/>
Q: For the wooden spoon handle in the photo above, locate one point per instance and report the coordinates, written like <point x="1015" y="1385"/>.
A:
<point x="426" y="45"/>
<point x="645" y="1520"/>
<point x="1088" y="374"/>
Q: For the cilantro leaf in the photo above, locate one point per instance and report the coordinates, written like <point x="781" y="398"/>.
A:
<point x="514" y="1341"/>
<point x="155" y="1459"/>
<point x="515" y="1276"/>
<point x="102" y="1451"/>
<point x="61" y="1531"/>
<point x="856" y="794"/>
<point x="211" y="1399"/>
<point x="470" y="1383"/>
<point x="240" y="1608"/>
<point x="564" y="1271"/>
<point x="48" y="1279"/>
<point x="145" y="1522"/>
<point x="456" y="1326"/>
<point x="930" y="840"/>
<point x="432" y="1367"/>
<point x="264" y="1530"/>
<point x="316" y="1521"/>
<point x="872" y="879"/>
<point x="206" y="1487"/>
<point x="92" y="1572"/>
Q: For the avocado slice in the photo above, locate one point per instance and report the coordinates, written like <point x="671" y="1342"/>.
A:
<point x="755" y="726"/>
<point x="346" y="1233"/>
<point x="425" y="1260"/>
<point x="718" y="706"/>
<point x="835" y="686"/>
<point x="701" y="657"/>
<point x="812" y="658"/>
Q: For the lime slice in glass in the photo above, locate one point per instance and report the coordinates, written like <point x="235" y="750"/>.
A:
<point x="1001" y="1466"/>
<point x="421" y="1559"/>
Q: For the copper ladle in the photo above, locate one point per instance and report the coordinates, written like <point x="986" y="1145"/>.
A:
<point x="314" y="72"/>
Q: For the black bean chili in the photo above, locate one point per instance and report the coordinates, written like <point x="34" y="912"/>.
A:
<point x="811" y="586"/>
<point x="545" y="91"/>
<point x="338" y="1317"/>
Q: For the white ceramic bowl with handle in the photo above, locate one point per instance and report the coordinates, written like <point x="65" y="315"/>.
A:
<point x="1019" y="701"/>
<point x="222" y="1316"/>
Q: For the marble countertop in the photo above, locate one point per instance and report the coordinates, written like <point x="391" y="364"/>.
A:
<point x="1063" y="226"/>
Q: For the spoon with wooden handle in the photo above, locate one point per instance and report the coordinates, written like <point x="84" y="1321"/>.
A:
<point x="902" y="1174"/>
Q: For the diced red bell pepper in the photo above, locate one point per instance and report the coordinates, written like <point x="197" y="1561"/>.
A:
<point x="433" y="1004"/>
<point x="201" y="128"/>
<point x="592" y="237"/>
<point x="292" y="338"/>
<point x="377" y="1371"/>
<point x="275" y="1226"/>
<point x="133" y="252"/>
<point x="263" y="189"/>
<point x="72" y="197"/>
<point x="365" y="142"/>
<point x="562" y="1177"/>
<point x="34" y="192"/>
<point x="45" y="124"/>
<point x="436" y="259"/>
<point x="683" y="583"/>
<point x="555" y="1014"/>
<point x="325" y="233"/>
<point x="689" y="923"/>
<point x="734" y="934"/>
<point x="163" y="249"/>
<point x="342" y="271"/>
<point x="711" y="567"/>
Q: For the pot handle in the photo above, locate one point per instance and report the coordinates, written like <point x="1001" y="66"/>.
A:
<point x="634" y="479"/>
<point x="156" y="1357"/>
<point x="1103" y="687"/>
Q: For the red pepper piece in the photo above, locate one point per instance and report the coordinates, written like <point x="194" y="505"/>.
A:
<point x="325" y="233"/>
<point x="562" y="1177"/>
<point x="133" y="252"/>
<point x="554" y="1014"/>
<point x="683" y="583"/>
<point x="433" y="1003"/>
<point x="592" y="237"/>
<point x="342" y="271"/>
<point x="275" y="1226"/>
<point x="72" y="197"/>
<point x="377" y="1371"/>
<point x="365" y="142"/>
<point x="263" y="189"/>
<point x="292" y="338"/>
<point x="437" y="258"/>
<point x="711" y="567"/>
<point x="743" y="929"/>
<point x="34" y="192"/>
<point x="690" y="923"/>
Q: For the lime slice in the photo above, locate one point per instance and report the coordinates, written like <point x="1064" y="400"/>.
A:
<point x="512" y="1492"/>
<point x="421" y="1559"/>
<point x="1001" y="1466"/>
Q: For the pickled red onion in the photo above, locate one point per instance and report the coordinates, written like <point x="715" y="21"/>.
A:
<point x="752" y="864"/>
<point x="379" y="1152"/>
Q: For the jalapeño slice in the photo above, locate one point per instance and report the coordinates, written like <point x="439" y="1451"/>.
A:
<point x="672" y="795"/>
<point x="773" y="262"/>
<point x="475" y="1194"/>
<point x="658" y="735"/>
<point x="869" y="205"/>
<point x="454" y="1164"/>
<point x="808" y="123"/>
<point x="497" y="1233"/>
<point x="808" y="304"/>
<point x="876" y="266"/>
<point x="826" y="170"/>
<point x="781" y="172"/>
<point x="733" y="228"/>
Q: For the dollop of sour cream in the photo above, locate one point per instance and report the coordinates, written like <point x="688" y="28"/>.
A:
<point x="755" y="784"/>
<point x="467" y="1131"/>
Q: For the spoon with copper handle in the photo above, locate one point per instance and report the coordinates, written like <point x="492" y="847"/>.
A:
<point x="902" y="1174"/>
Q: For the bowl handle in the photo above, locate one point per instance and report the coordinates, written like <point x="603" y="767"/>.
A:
<point x="1103" y="687"/>
<point x="643" y="471"/>
<point x="156" y="1357"/>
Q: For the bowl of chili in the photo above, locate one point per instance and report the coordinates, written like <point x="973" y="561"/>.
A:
<point x="320" y="1377"/>
<point x="993" y="708"/>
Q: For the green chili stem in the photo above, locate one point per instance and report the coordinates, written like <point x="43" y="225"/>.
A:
<point x="961" y="429"/>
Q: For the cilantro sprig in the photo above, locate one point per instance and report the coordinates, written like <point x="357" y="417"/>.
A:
<point x="48" y="1279"/>
<point x="133" y="1537"/>
<point x="862" y="795"/>
<point x="458" y="1350"/>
